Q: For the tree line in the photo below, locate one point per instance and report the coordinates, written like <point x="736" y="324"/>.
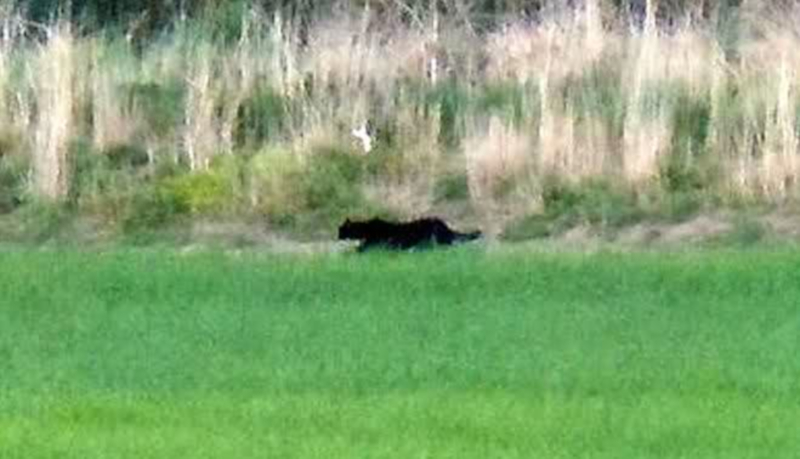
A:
<point x="157" y="14"/>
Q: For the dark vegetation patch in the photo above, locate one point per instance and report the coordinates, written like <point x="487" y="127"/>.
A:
<point x="13" y="181"/>
<point x="452" y="187"/>
<point x="126" y="156"/>
<point x="595" y="203"/>
<point x="746" y="231"/>
<point x="261" y="118"/>
<point x="160" y="104"/>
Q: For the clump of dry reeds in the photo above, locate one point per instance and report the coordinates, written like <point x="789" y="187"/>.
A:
<point x="55" y="101"/>
<point x="594" y="96"/>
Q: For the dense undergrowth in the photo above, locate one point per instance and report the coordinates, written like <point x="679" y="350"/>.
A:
<point x="600" y="114"/>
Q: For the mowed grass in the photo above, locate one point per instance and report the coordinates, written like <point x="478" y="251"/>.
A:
<point x="458" y="353"/>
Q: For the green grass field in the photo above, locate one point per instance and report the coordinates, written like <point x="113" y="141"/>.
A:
<point x="460" y="353"/>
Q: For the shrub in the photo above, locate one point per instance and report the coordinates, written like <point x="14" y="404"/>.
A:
<point x="332" y="183"/>
<point x="745" y="232"/>
<point x="607" y="205"/>
<point x="13" y="181"/>
<point x="214" y="191"/>
<point x="109" y="185"/>
<point x="598" y="94"/>
<point x="451" y="100"/>
<point x="10" y="143"/>
<point x="275" y="184"/>
<point x="150" y="208"/>
<point x="681" y="206"/>
<point x="688" y="169"/>
<point x="261" y="117"/>
<point x="534" y="226"/>
<point x="126" y="156"/>
<point x="223" y="21"/>
<point x="161" y="105"/>
<point x="85" y="167"/>
<point x="385" y="163"/>
<point x="691" y="119"/>
<point x="505" y="99"/>
<point x="680" y="177"/>
<point x="41" y="221"/>
<point x="308" y="195"/>
<point x="98" y="184"/>
<point x="97" y="176"/>
<point x="594" y="202"/>
<point x="452" y="187"/>
<point x="200" y="193"/>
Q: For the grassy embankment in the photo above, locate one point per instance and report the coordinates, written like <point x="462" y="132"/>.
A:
<point x="442" y="354"/>
<point x="577" y="117"/>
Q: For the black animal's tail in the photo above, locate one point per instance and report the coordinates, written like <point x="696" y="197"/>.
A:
<point x="465" y="237"/>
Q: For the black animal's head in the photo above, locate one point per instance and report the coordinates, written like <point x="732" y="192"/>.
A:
<point x="347" y="230"/>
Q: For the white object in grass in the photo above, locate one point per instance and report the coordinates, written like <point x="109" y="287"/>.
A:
<point x="362" y="133"/>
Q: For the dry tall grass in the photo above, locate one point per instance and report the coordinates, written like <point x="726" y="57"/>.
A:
<point x="356" y="65"/>
<point x="55" y="102"/>
<point x="15" y="99"/>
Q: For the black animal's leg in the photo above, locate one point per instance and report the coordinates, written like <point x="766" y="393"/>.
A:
<point x="365" y="245"/>
<point x="442" y="234"/>
<point x="401" y="242"/>
<point x="465" y="237"/>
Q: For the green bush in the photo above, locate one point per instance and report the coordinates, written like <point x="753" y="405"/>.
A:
<point x="274" y="183"/>
<point x="211" y="192"/>
<point x="691" y="120"/>
<point x="505" y="99"/>
<point x="150" y="208"/>
<point x="452" y="187"/>
<point x="13" y="181"/>
<point x="688" y="170"/>
<point x="535" y="226"/>
<point x="222" y="21"/>
<point x="681" y="206"/>
<point x="161" y="104"/>
<point x="109" y="185"/>
<point x="688" y="177"/>
<point x="680" y="177"/>
<point x="594" y="202"/>
<point x="10" y="143"/>
<point x="85" y="172"/>
<point x="100" y="185"/>
<point x="261" y="117"/>
<point x="307" y="195"/>
<point x="386" y="163"/>
<point x="608" y="205"/>
<point x="746" y="232"/>
<point x="200" y="193"/>
<point x="451" y="101"/>
<point x="41" y="221"/>
<point x="598" y="94"/>
<point x="126" y="156"/>
<point x="332" y="183"/>
<point x="98" y="178"/>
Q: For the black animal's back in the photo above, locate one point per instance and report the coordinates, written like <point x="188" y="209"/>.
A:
<point x="421" y="233"/>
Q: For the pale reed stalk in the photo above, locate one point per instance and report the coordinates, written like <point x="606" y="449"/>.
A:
<point x="55" y="115"/>
<point x="644" y="137"/>
<point x="113" y="123"/>
<point x="199" y="135"/>
<point x="780" y="158"/>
